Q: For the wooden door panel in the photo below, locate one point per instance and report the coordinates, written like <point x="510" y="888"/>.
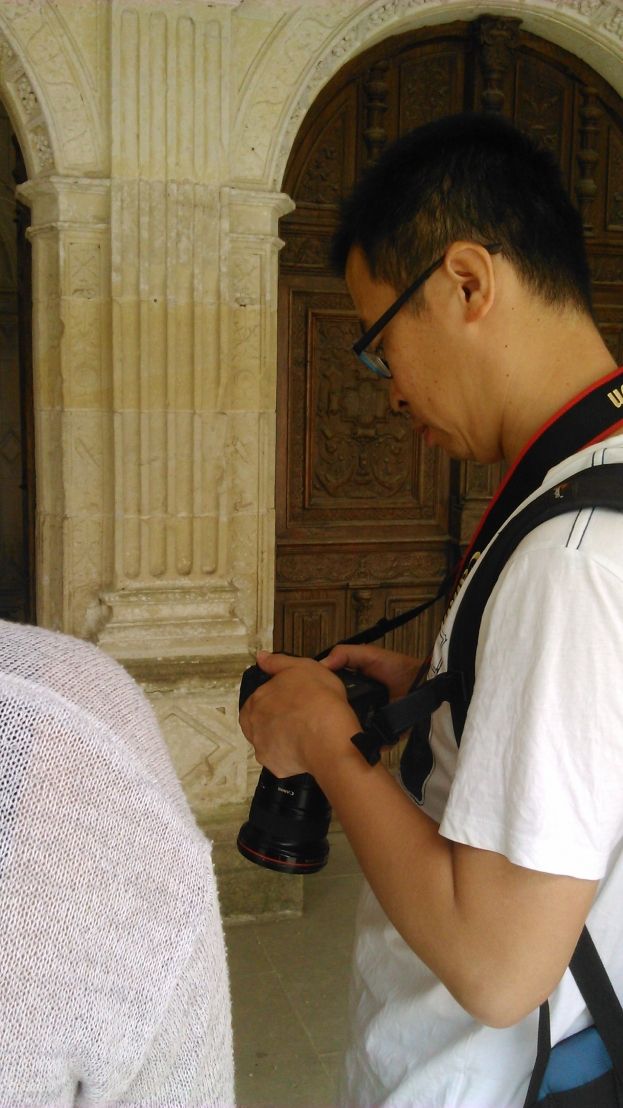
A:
<point x="544" y="106"/>
<point x="412" y="638"/>
<point x="351" y="462"/>
<point x="308" y="620"/>
<point x="431" y="83"/>
<point x="327" y="167"/>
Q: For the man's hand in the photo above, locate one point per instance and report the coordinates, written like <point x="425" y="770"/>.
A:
<point x="497" y="935"/>
<point x="396" y="671"/>
<point x="299" y="718"/>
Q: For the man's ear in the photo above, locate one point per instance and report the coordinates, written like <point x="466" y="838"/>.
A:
<point x="470" y="268"/>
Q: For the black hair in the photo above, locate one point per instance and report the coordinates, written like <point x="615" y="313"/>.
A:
<point x="471" y="176"/>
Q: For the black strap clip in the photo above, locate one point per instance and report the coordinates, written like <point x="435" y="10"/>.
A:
<point x="390" y="722"/>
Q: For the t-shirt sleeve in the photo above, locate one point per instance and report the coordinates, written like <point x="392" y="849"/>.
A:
<point x="540" y="768"/>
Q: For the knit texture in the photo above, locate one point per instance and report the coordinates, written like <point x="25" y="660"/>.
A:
<point x="113" y="977"/>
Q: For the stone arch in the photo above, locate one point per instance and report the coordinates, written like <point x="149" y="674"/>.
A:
<point x="44" y="88"/>
<point x="308" y="47"/>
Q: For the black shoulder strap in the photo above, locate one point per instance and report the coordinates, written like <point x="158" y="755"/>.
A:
<point x="603" y="1004"/>
<point x="601" y="1000"/>
<point x="602" y="487"/>
<point x="598" y="487"/>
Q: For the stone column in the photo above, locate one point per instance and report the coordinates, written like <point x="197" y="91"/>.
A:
<point x="193" y="269"/>
<point x="173" y="603"/>
<point x="72" y="396"/>
<point x="250" y="223"/>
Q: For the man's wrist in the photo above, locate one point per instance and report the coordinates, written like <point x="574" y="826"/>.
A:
<point x="330" y="748"/>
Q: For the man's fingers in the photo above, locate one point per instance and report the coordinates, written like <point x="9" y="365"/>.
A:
<point x="356" y="657"/>
<point x="337" y="658"/>
<point x="274" y="663"/>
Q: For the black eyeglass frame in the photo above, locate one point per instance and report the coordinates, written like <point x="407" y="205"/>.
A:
<point x="359" y="348"/>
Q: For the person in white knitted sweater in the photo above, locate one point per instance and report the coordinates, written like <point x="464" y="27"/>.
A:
<point x="113" y="975"/>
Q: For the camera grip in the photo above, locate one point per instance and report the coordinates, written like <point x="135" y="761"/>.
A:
<point x="252" y="678"/>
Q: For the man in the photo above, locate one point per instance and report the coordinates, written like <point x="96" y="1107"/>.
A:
<point x="113" y="977"/>
<point x="481" y="875"/>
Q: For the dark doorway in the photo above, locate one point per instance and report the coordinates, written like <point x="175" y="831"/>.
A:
<point x="17" y="482"/>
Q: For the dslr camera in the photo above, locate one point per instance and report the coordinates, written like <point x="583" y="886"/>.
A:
<point x="289" y="816"/>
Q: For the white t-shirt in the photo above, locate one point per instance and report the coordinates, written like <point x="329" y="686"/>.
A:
<point x="113" y="978"/>
<point x="538" y="779"/>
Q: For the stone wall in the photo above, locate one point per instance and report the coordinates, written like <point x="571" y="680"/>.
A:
<point x="155" y="135"/>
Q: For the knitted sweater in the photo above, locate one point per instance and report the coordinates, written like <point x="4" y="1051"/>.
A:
<point x="113" y="978"/>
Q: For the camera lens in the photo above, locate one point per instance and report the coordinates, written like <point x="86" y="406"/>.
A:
<point x="287" y="825"/>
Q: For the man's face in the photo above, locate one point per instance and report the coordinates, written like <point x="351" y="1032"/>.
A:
<point x="431" y="357"/>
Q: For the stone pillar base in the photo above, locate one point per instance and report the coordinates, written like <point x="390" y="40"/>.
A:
<point x="248" y="893"/>
<point x="157" y="632"/>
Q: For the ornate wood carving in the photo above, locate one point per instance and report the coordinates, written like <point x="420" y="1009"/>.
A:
<point x="498" y="39"/>
<point x="360" y="567"/>
<point x="615" y="182"/>
<point x="588" y="156"/>
<point x="376" y="89"/>
<point x="350" y="458"/>
<point x="430" y="87"/>
<point x="543" y="104"/>
<point x="306" y="251"/>
<point x="360" y="449"/>
<point x="322" y="181"/>
<point x="607" y="269"/>
<point x="363" y="603"/>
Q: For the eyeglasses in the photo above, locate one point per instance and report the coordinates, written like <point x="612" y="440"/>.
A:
<point x="371" y="358"/>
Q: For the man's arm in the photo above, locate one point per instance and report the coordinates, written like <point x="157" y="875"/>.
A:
<point x="499" y="936"/>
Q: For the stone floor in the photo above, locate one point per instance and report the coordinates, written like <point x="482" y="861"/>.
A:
<point x="290" y="989"/>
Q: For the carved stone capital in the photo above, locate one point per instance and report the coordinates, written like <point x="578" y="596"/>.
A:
<point x="255" y="211"/>
<point x="66" y="200"/>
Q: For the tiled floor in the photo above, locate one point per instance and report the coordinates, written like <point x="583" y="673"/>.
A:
<point x="290" y="992"/>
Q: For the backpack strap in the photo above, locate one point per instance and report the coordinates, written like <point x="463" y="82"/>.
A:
<point x="601" y="1000"/>
<point x="543" y="1051"/>
<point x="603" y="1004"/>
<point x="601" y="486"/>
<point x="598" y="487"/>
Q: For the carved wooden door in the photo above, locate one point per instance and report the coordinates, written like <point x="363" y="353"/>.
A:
<point x="365" y="512"/>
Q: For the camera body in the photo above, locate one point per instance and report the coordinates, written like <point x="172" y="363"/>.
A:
<point x="289" y="816"/>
